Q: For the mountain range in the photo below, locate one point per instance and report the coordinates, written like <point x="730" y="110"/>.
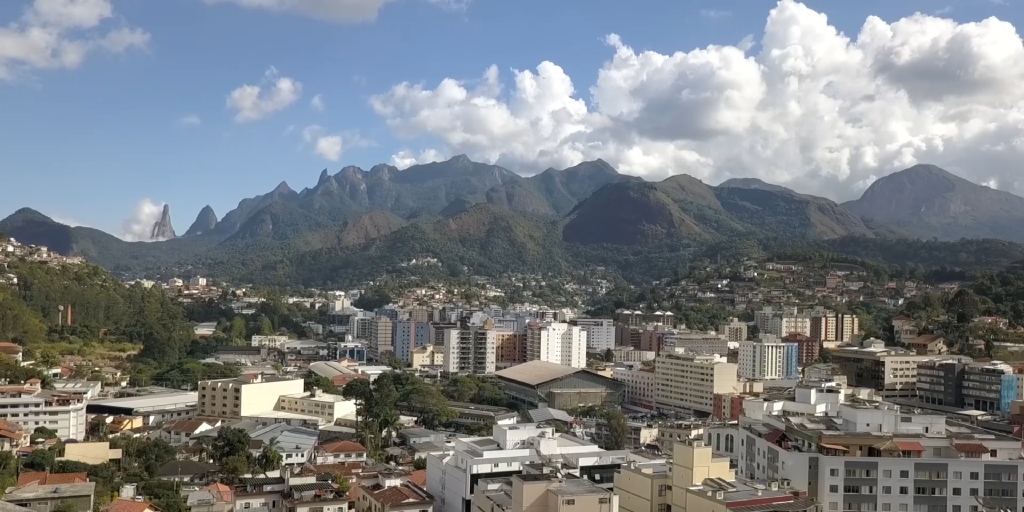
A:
<point x="484" y="218"/>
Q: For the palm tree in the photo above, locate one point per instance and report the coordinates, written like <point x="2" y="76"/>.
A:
<point x="388" y="422"/>
<point x="270" y="458"/>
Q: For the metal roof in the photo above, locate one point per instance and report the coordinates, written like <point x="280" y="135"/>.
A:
<point x="535" y="373"/>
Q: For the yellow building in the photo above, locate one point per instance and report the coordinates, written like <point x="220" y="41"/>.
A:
<point x="644" y="488"/>
<point x="90" y="453"/>
<point x="245" y="395"/>
<point x="427" y="355"/>
<point x="692" y="381"/>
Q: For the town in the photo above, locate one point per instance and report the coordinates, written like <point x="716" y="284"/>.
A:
<point x="800" y="386"/>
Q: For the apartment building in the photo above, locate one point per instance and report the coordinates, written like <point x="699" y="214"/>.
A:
<point x="785" y="325"/>
<point x="542" y="492"/>
<point x="509" y="348"/>
<point x="268" y="341"/>
<point x="408" y="337"/>
<point x="989" y="387"/>
<point x="768" y="358"/>
<point x="556" y="342"/>
<point x="31" y="407"/>
<point x="427" y="356"/>
<point x="733" y="330"/>
<point x="891" y="371"/>
<point x="327" y="407"/>
<point x="639" y="390"/>
<point x="470" y="349"/>
<point x="808" y="348"/>
<point x="245" y="395"/>
<point x="690" y="382"/>
<point x="940" y="382"/>
<point x="382" y="337"/>
<point x="878" y="456"/>
<point x="600" y="333"/>
<point x="632" y="355"/>
<point x="644" y="488"/>
<point x="695" y="342"/>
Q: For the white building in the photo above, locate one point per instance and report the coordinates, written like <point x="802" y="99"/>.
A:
<point x="698" y="343"/>
<point x="785" y="325"/>
<point x="471" y="349"/>
<point x="269" y="341"/>
<point x="556" y="342"/>
<point x="327" y="407"/>
<point x="32" y="407"/>
<point x="690" y="382"/>
<point x="767" y="359"/>
<point x="640" y="385"/>
<point x="197" y="281"/>
<point x="600" y="333"/>
<point x="244" y="396"/>
<point x="734" y="330"/>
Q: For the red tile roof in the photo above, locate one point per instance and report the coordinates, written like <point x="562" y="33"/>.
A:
<point x="970" y="448"/>
<point x="123" y="505"/>
<point x="419" y="477"/>
<point x="43" y="478"/>
<point x="221" y="492"/>
<point x="910" y="446"/>
<point x="774" y="435"/>
<point x="394" y="495"/>
<point x="343" y="447"/>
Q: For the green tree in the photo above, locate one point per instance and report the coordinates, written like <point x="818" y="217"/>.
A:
<point x="230" y="442"/>
<point x="48" y="359"/>
<point x="270" y="458"/>
<point x="609" y="356"/>
<point x="237" y="329"/>
<point x="233" y="467"/>
<point x="266" y="327"/>
<point x="320" y="382"/>
<point x="618" y="430"/>
<point x="419" y="463"/>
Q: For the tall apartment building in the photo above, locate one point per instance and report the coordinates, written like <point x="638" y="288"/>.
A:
<point x="245" y="395"/>
<point x="734" y="330"/>
<point x="940" y="382"/>
<point x="891" y="371"/>
<point x="421" y="315"/>
<point x="509" y="348"/>
<point x="829" y="326"/>
<point x="600" y="333"/>
<point x="686" y="382"/>
<point x="556" y="342"/>
<point x="408" y="337"/>
<point x="640" y="384"/>
<point x="989" y="387"/>
<point x="808" y="348"/>
<point x="768" y="358"/>
<point x="847" y="326"/>
<point x="882" y="457"/>
<point x="31" y="407"/>
<point x="785" y="325"/>
<point x="695" y="342"/>
<point x="471" y="349"/>
<point x="382" y="337"/>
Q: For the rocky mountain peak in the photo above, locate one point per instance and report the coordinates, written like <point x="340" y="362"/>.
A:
<point x="162" y="229"/>
<point x="205" y="222"/>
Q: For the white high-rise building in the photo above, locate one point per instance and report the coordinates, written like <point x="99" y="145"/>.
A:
<point x="32" y="407"/>
<point x="785" y="325"/>
<point x="556" y="342"/>
<point x="471" y="349"/>
<point x="600" y="333"/>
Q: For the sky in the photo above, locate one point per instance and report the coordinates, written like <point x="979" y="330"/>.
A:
<point x="111" y="108"/>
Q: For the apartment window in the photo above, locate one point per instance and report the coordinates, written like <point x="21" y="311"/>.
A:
<point x="833" y="472"/>
<point x="936" y="452"/>
<point x="956" y="508"/>
<point x="661" y="490"/>
<point x="958" y="475"/>
<point x="833" y="505"/>
<point x="905" y="473"/>
<point x="568" y="502"/>
<point x="904" y="490"/>
<point x="974" y="475"/>
<point x="886" y="473"/>
<point x="886" y="507"/>
<point x="973" y="491"/>
<point x="833" y="488"/>
<point x="247" y="505"/>
<point x="903" y="507"/>
<point x="956" y="491"/>
<point x="661" y="507"/>
<point x="886" y="489"/>
<point x="921" y="491"/>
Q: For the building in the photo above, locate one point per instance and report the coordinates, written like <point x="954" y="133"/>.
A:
<point x="244" y="396"/>
<point x="989" y="387"/>
<point x="904" y="329"/>
<point x="98" y="452"/>
<point x="639" y="385"/>
<point x="212" y="498"/>
<point x="542" y="492"/>
<point x="470" y="349"/>
<point x="340" y="451"/>
<point x="155" y="406"/>
<point x="556" y="342"/>
<point x="509" y="348"/>
<point x="326" y="407"/>
<point x="940" y="382"/>
<point x="807" y="347"/>
<point x="268" y="341"/>
<point x="31" y="407"/>
<point x="600" y="333"/>
<point x="690" y="382"/>
<point x="408" y="337"/>
<point x="12" y="350"/>
<point x="785" y="325"/>
<point x="891" y="371"/>
<point x="768" y="358"/>
<point x="644" y="488"/>
<point x="697" y="343"/>
<point x="734" y="330"/>
<point x="393" y="496"/>
<point x="632" y="355"/>
<point x="928" y="344"/>
<point x="477" y="414"/>
<point x="543" y="384"/>
<point x="46" y="498"/>
<point x="427" y="356"/>
<point x="381" y="336"/>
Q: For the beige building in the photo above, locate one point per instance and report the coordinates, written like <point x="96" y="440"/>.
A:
<point x="891" y="371"/>
<point x="244" y="396"/>
<point x="90" y="453"/>
<point x="427" y="355"/>
<point x="644" y="488"/>
<point x="734" y="330"/>
<point x="46" y="498"/>
<point x="382" y="333"/>
<point x="692" y="381"/>
<point x="542" y="493"/>
<point x="640" y="385"/>
<point x="325" y="406"/>
<point x="393" y="496"/>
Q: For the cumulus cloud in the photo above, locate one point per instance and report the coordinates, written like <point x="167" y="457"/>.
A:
<point x="318" y="102"/>
<point x="139" y="227"/>
<point x="61" y="34"/>
<point x="810" y="108"/>
<point x="190" y="120"/>
<point x="273" y="94"/>
<point x="339" y="11"/>
<point x="330" y="146"/>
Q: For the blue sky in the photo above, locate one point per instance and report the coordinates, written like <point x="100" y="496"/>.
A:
<point x="89" y="143"/>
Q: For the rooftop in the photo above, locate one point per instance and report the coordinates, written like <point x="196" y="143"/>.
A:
<point x="535" y="373"/>
<point x="151" y="401"/>
<point x="36" y="491"/>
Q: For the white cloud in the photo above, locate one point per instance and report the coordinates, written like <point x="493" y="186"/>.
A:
<point x="812" y="108"/>
<point x="714" y="13"/>
<point x="190" y="120"/>
<point x="452" y="5"/>
<point x="405" y="159"/>
<point x="328" y="146"/>
<point x="318" y="102"/>
<point x="340" y="11"/>
<point x="253" y="102"/>
<point x="60" y="34"/>
<point x="67" y="221"/>
<point x="139" y="227"/>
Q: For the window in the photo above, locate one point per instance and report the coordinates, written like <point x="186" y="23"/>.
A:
<point x="661" y="507"/>
<point x="833" y="488"/>
<point x="568" y="502"/>
<point x="832" y="505"/>
<point x="973" y="491"/>
<point x="833" y="472"/>
<point x="886" y="489"/>
<point x="247" y="505"/>
<point x="886" y="507"/>
<point x="904" y="490"/>
<point x="956" y="491"/>
<point x="905" y="473"/>
<point x="956" y="508"/>
<point x="974" y="475"/>
<point x="958" y="475"/>
<point x="886" y="473"/>
<point x="903" y="507"/>
<point x="661" y="490"/>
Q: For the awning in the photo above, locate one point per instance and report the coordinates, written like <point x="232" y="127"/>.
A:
<point x="910" y="446"/>
<point x="834" y="447"/>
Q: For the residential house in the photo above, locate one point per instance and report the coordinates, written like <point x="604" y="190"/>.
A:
<point x="12" y="436"/>
<point x="90" y="453"/>
<point x="393" y="497"/>
<point x="180" y="432"/>
<point x="928" y="344"/>
<point x="187" y="471"/>
<point x="212" y="498"/>
<point x="126" y="505"/>
<point x="340" y="451"/>
<point x="46" y="478"/>
<point x="46" y="498"/>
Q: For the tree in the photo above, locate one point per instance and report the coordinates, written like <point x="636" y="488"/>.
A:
<point x="618" y="430"/>
<point x="233" y="467"/>
<point x="266" y="327"/>
<point x="361" y="391"/>
<point x="609" y="355"/>
<point x="41" y="459"/>
<point x="237" y="329"/>
<point x="320" y="382"/>
<point x="65" y="506"/>
<point x="230" y="442"/>
<point x="270" y="458"/>
<point x="419" y="463"/>
<point x="389" y="423"/>
<point x="48" y="359"/>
